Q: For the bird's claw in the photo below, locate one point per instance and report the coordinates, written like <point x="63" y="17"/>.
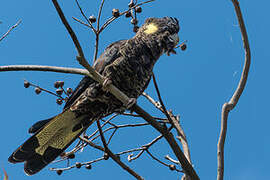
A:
<point x="131" y="103"/>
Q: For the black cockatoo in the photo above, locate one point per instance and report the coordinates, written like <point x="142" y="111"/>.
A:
<point x="128" y="64"/>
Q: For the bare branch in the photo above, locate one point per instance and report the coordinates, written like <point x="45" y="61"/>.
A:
<point x="92" y="144"/>
<point x="165" y="164"/>
<point x="171" y="159"/>
<point x="187" y="167"/>
<point x="98" y="31"/>
<point x="114" y="157"/>
<point x="161" y="102"/>
<point x="228" y="106"/>
<point x="44" y="68"/>
<point x="89" y="22"/>
<point x="10" y="29"/>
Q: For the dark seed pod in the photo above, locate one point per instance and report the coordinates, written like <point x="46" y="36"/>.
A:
<point x="37" y="90"/>
<point x="58" y="84"/>
<point x="172" y="167"/>
<point x="71" y="156"/>
<point x="59" y="101"/>
<point x="92" y="19"/>
<point x="69" y="91"/>
<point x="128" y="14"/>
<point x="183" y="47"/>
<point x="59" y="172"/>
<point x="59" y="91"/>
<point x="115" y="13"/>
<point x="61" y="83"/>
<point x="88" y="166"/>
<point x="106" y="156"/>
<point x="138" y="9"/>
<point x="78" y="165"/>
<point x="134" y="21"/>
<point x="26" y="84"/>
<point x="135" y="28"/>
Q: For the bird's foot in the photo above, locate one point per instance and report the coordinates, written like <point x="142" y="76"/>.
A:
<point x="106" y="84"/>
<point x="131" y="103"/>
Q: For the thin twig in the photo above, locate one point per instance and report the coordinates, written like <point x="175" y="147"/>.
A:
<point x="144" y="147"/>
<point x="74" y="166"/>
<point x="228" y="106"/>
<point x="98" y="31"/>
<point x="182" y="138"/>
<point x="89" y="22"/>
<point x="114" y="157"/>
<point x="161" y="162"/>
<point x="171" y="159"/>
<point x="81" y="22"/>
<point x="92" y="144"/>
<point x="69" y="29"/>
<point x="10" y="29"/>
<point x="161" y="101"/>
<point x="106" y="122"/>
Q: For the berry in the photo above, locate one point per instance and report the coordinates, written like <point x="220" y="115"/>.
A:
<point x="78" y="165"/>
<point x="106" y="156"/>
<point x="88" y="166"/>
<point x="58" y="84"/>
<point x="59" y="101"/>
<point x="138" y="9"/>
<point x="26" y="84"/>
<point x="59" y="172"/>
<point x="115" y="13"/>
<point x="172" y="167"/>
<point x="183" y="47"/>
<point x="69" y="91"/>
<point x="128" y="14"/>
<point x="92" y="19"/>
<point x="59" y="91"/>
<point x="37" y="90"/>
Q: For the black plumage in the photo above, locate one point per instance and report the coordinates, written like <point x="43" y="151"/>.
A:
<point x="128" y="64"/>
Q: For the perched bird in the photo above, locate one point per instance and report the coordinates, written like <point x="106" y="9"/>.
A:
<point x="128" y="64"/>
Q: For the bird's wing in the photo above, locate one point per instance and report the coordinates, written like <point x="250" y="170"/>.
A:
<point x="110" y="54"/>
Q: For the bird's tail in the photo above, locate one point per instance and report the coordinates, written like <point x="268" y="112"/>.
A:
<point x="49" y="141"/>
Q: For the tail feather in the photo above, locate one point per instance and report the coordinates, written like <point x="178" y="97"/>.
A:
<point x="49" y="141"/>
<point x="40" y="124"/>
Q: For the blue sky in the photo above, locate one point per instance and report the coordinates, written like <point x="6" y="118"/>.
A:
<point x="194" y="83"/>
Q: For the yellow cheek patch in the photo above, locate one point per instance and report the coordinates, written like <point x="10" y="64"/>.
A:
<point x="151" y="28"/>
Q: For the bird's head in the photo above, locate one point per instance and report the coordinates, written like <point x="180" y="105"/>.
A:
<point x="162" y="30"/>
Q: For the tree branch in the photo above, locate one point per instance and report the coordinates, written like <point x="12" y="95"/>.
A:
<point x="228" y="106"/>
<point x="44" y="68"/>
<point x="114" y="157"/>
<point x="10" y="29"/>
